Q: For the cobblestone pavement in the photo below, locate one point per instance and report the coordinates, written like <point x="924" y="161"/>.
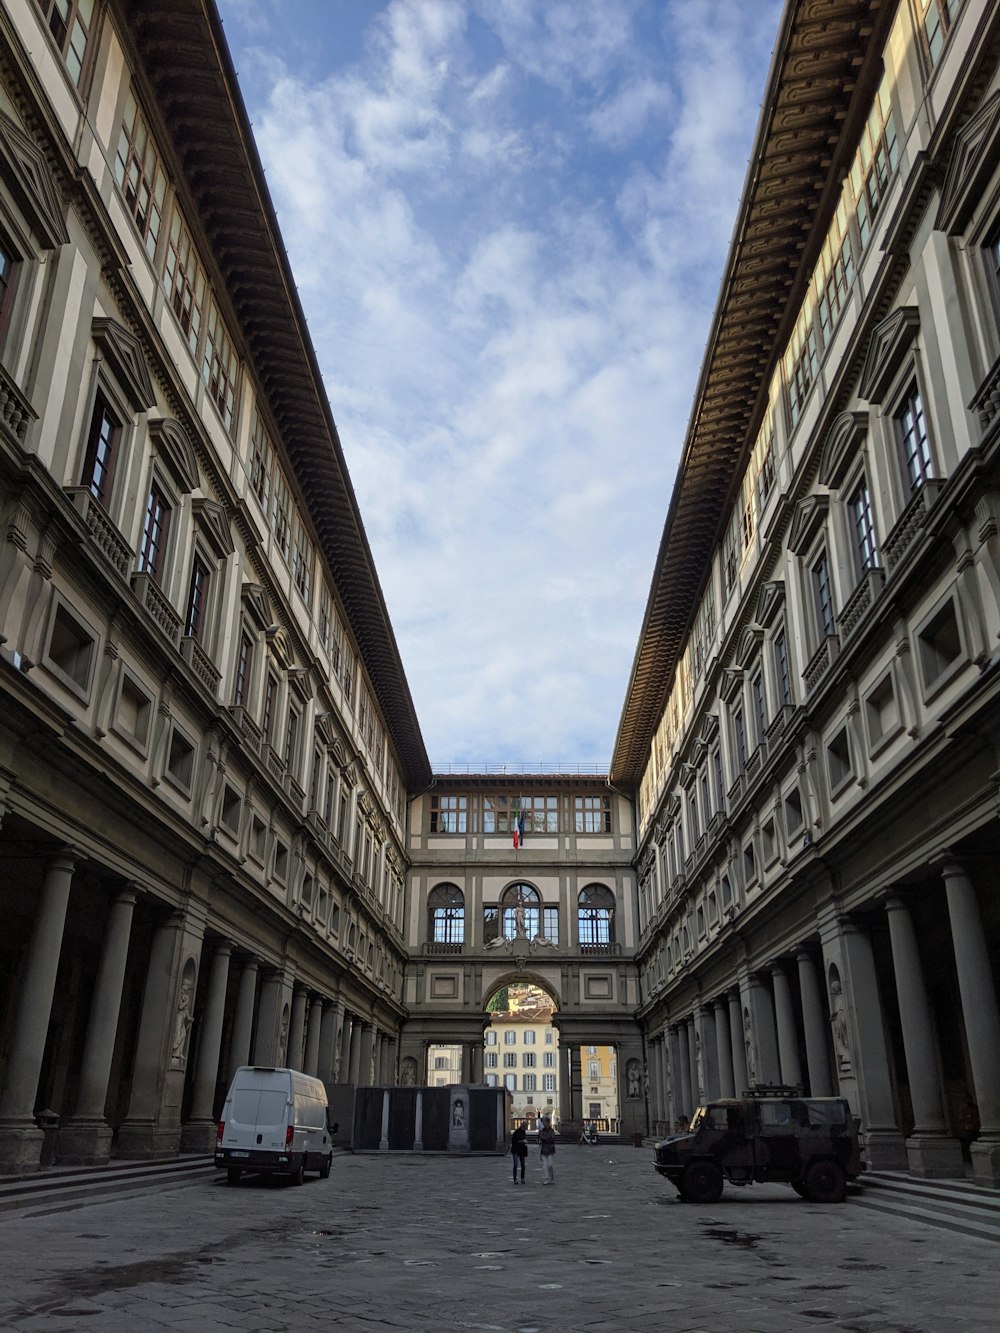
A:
<point x="417" y="1243"/>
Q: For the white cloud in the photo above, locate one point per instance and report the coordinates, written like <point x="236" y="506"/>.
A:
<point x="510" y="320"/>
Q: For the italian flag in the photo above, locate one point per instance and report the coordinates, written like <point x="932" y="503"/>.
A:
<point x="518" y="837"/>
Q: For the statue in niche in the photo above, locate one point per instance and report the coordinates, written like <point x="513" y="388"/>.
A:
<point x="283" y="1034"/>
<point x="520" y="922"/>
<point x="633" y="1080"/>
<point x="838" y="1021"/>
<point x="184" y="1019"/>
<point x="748" y="1043"/>
<point x="699" y="1065"/>
<point x="408" y="1073"/>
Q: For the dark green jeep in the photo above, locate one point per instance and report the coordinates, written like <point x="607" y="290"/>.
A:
<point x="810" y="1143"/>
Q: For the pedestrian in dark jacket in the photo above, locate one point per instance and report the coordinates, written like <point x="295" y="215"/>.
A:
<point x="519" y="1150"/>
<point x="547" y="1147"/>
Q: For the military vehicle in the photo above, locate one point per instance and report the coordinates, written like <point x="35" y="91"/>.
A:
<point x="768" y="1134"/>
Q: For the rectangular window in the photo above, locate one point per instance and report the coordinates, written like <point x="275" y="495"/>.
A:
<point x="490" y="1060"/>
<point x="550" y="924"/>
<point x="9" y="267"/>
<point x="530" y="1082"/>
<point x="317" y="769"/>
<point x="449" y="814"/>
<point x="720" y="791"/>
<point x="102" y="452"/>
<point x="496" y="814"/>
<point x="270" y="704"/>
<point x="541" y="814"/>
<point x="140" y="175"/>
<point x="281" y="514"/>
<point x="593" y="814"/>
<point x="302" y="561"/>
<point x="184" y="280"/>
<point x="823" y="594"/>
<point x="740" y="739"/>
<point x="529" y="1037"/>
<point x="781" y="668"/>
<point x="548" y="1082"/>
<point x="510" y="1059"/>
<point x="911" y="429"/>
<point x="323" y="621"/>
<point x="244" y="661"/>
<point x="261" y="463"/>
<point x="759" y="705"/>
<point x="194" y="620"/>
<point x="152" y="547"/>
<point x="509" y="1037"/>
<point x="510" y="1082"/>
<point x="860" y="506"/>
<point x="593" y="1069"/>
<point x="220" y="365"/>
<point x="291" y="755"/>
<point x="549" y="1059"/>
<point x="71" y="23"/>
<point x="936" y="17"/>
<point x="528" y="1060"/>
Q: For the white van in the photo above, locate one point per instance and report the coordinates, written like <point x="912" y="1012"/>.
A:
<point x="274" y="1120"/>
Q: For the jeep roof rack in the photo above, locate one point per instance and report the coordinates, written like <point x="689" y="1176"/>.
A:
<point x="775" y="1090"/>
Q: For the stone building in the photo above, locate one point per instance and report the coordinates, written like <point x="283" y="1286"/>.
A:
<point x="813" y="718"/>
<point x="221" y="838"/>
<point x="206" y="736"/>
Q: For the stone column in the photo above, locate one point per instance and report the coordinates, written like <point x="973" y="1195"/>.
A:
<point x="312" y="1035"/>
<point x="724" y="1045"/>
<point x="692" y="1057"/>
<point x="788" y="1040"/>
<point x="266" y="1047"/>
<point x="20" y="1140"/>
<point x="764" y="1033"/>
<point x="297" y="1030"/>
<point x="684" y="1066"/>
<point x="344" y="1058"/>
<point x="198" y="1134"/>
<point x="705" y="1038"/>
<point x="737" y="1042"/>
<point x="982" y="1018"/>
<point x="676" y="1104"/>
<point x="576" y="1084"/>
<point x="367" y="1052"/>
<point x="565" y="1085"/>
<point x="239" y="1046"/>
<point x="930" y="1149"/>
<point x="477" y="1062"/>
<point x="86" y="1139"/>
<point x="815" y="1028"/>
<point x="655" y="1116"/>
<point x="354" y="1064"/>
<point x="466" y="1070"/>
<point x="392" y="1073"/>
<point x="883" y="1141"/>
<point x="140" y="1135"/>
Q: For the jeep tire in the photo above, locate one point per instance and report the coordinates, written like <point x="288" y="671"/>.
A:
<point x="702" y="1183"/>
<point x="825" y="1182"/>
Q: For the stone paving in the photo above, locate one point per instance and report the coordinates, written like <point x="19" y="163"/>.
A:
<point x="415" y="1243"/>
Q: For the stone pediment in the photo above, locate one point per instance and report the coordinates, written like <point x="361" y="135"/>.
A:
<point x="281" y="646"/>
<point x="749" y="645"/>
<point x="770" y="603"/>
<point x="174" y="447"/>
<point x="810" y="515"/>
<point x="841" y="447"/>
<point x="891" y="341"/>
<point x="211" y="519"/>
<point x="973" y="161"/>
<point x="256" y="605"/>
<point x="730" y="684"/>
<point x="28" y="177"/>
<point x="709" y="728"/>
<point x="123" y="351"/>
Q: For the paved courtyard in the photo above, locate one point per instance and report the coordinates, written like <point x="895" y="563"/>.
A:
<point x="425" y="1243"/>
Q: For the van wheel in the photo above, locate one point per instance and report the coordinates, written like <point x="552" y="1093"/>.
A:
<point x="702" y="1183"/>
<point x="233" y="1174"/>
<point x="799" y="1188"/>
<point x="324" y="1171"/>
<point x="299" y="1176"/>
<point x="825" y="1182"/>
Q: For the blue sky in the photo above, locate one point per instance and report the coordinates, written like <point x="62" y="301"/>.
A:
<point x="508" y="221"/>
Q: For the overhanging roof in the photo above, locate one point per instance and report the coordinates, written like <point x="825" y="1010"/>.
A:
<point x="187" y="63"/>
<point x="825" y="69"/>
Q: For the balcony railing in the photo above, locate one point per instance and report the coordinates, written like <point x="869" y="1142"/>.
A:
<point x="609" y="948"/>
<point x="821" y="661"/>
<point x="16" y="413"/>
<point x="160" y="611"/>
<point x="860" y="600"/>
<point x="105" y="536"/>
<point x="443" y="947"/>
<point x="911" y="522"/>
<point x="986" y="403"/>
<point x="200" y="663"/>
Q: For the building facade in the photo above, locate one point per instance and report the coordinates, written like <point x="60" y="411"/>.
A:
<point x="206" y="736"/>
<point x="813" y="718"/>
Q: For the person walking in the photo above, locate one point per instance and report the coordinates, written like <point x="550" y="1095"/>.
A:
<point x="519" y="1150"/>
<point x="547" y="1147"/>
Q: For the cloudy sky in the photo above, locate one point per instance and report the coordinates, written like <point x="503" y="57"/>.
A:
<point x="508" y="220"/>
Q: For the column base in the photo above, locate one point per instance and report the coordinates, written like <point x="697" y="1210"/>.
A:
<point x="84" y="1143"/>
<point x="885" y="1150"/>
<point x="986" y="1161"/>
<point x="20" y="1147"/>
<point x="143" y="1140"/>
<point x="935" y="1157"/>
<point x="199" y="1136"/>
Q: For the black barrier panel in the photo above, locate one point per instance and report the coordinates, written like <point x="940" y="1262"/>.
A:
<point x="402" y="1118"/>
<point x="368" y="1118"/>
<point x="482" y="1119"/>
<point x="434" y="1135"/>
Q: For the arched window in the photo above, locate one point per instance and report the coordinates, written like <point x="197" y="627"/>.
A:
<point x="520" y="911"/>
<point x="446" y="915"/>
<point x="596" y="917"/>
